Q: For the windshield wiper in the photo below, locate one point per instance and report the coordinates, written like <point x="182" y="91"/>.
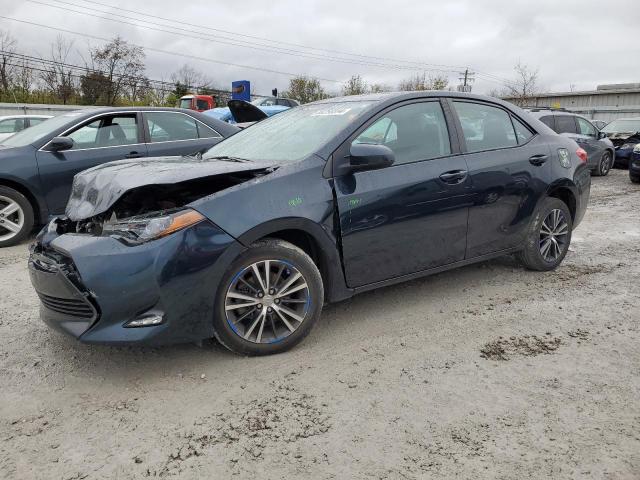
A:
<point x="226" y="158"/>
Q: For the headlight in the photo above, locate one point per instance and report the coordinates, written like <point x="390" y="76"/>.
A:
<point x="636" y="149"/>
<point x="144" y="228"/>
<point x="628" y="145"/>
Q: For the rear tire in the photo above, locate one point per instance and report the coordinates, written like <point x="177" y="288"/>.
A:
<point x="254" y="313"/>
<point x="16" y="217"/>
<point x="549" y="236"/>
<point x="604" y="165"/>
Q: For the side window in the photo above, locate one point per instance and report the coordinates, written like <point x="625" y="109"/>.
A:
<point x="204" y="131"/>
<point x="108" y="131"/>
<point x="170" y="126"/>
<point x="414" y="132"/>
<point x="12" y="125"/>
<point x="522" y="132"/>
<point x="565" y="124"/>
<point x="585" y="128"/>
<point x="485" y="127"/>
<point x="548" y="121"/>
<point x="36" y="121"/>
<point x="202" y="104"/>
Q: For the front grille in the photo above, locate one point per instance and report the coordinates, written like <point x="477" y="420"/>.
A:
<point x="67" y="306"/>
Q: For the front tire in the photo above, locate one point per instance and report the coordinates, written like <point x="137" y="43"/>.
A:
<point x="604" y="165"/>
<point x="16" y="217"/>
<point x="549" y="236"/>
<point x="634" y="178"/>
<point x="268" y="300"/>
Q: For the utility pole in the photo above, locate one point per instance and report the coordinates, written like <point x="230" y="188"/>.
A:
<point x="467" y="78"/>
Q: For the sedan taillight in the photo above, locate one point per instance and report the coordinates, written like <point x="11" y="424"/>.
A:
<point x="582" y="154"/>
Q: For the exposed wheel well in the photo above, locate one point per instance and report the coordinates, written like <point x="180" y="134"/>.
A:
<point x="308" y="244"/>
<point x="24" y="191"/>
<point x="567" y="197"/>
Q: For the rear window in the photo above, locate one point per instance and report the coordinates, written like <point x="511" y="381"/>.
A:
<point x="565" y="124"/>
<point x="548" y="121"/>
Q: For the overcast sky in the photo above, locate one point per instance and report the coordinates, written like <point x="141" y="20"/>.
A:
<point x="571" y="42"/>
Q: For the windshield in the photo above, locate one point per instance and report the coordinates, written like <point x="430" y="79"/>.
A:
<point x="291" y="135"/>
<point x="38" y="132"/>
<point x="631" y="125"/>
<point x="185" y="103"/>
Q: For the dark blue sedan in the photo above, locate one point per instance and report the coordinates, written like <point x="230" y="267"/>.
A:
<point x="311" y="206"/>
<point x="37" y="165"/>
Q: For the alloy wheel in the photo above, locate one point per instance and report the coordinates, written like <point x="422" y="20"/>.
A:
<point x="11" y="218"/>
<point x="554" y="233"/>
<point x="267" y="301"/>
<point x="605" y="164"/>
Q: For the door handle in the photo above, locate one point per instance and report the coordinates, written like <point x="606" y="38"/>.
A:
<point x="538" y="160"/>
<point x="454" y="177"/>
<point x="134" y="155"/>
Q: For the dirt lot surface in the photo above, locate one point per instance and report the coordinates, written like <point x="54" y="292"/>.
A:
<point x="490" y="372"/>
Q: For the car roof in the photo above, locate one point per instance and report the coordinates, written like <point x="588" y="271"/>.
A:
<point x="393" y="97"/>
<point x="5" y="117"/>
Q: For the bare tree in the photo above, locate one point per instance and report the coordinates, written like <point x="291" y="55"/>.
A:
<point x="121" y="64"/>
<point x="56" y="75"/>
<point x="191" y="79"/>
<point x="7" y="59"/>
<point x="421" y="81"/>
<point x="305" y="90"/>
<point x="379" y="88"/>
<point x="354" y="86"/>
<point x="524" y="86"/>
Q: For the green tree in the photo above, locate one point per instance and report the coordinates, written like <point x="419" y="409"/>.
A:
<point x="92" y="88"/>
<point x="420" y="81"/>
<point x="121" y="63"/>
<point x="305" y="90"/>
<point x="355" y="86"/>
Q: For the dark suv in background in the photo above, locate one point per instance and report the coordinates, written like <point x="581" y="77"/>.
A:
<point x="600" y="150"/>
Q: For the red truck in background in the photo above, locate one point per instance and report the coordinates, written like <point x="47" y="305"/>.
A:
<point x="200" y="103"/>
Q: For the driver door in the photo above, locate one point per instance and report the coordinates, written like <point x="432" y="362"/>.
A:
<point x="411" y="216"/>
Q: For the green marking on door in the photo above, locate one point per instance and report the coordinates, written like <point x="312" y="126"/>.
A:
<point x="294" y="202"/>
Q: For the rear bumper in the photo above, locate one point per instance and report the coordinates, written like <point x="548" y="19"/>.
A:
<point x="582" y="181"/>
<point x="91" y="287"/>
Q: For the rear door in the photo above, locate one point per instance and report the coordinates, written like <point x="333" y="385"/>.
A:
<point x="101" y="139"/>
<point x="587" y="138"/>
<point x="411" y="216"/>
<point x="508" y="169"/>
<point x="176" y="133"/>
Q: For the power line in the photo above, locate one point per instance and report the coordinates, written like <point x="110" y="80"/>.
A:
<point x="182" y="32"/>
<point x="54" y="63"/>
<point x="422" y="65"/>
<point x="166" y="52"/>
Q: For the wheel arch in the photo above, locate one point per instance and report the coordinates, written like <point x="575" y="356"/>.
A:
<point x="315" y="241"/>
<point x="39" y="210"/>
<point x="566" y="192"/>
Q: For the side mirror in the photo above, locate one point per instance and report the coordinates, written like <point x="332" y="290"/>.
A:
<point x="601" y="135"/>
<point x="364" y="156"/>
<point x="58" y="144"/>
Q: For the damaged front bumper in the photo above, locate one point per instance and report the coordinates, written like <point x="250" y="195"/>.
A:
<point x="92" y="287"/>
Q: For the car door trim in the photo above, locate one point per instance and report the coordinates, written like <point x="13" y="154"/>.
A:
<point x="139" y="114"/>
<point x="329" y="171"/>
<point x="147" y="134"/>
<point x="462" y="140"/>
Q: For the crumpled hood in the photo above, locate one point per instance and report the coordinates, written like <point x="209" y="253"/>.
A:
<point x="621" y="135"/>
<point x="95" y="190"/>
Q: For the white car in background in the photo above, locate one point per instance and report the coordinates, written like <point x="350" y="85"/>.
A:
<point x="11" y="124"/>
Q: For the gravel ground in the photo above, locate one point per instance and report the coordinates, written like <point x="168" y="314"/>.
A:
<point x="490" y="371"/>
